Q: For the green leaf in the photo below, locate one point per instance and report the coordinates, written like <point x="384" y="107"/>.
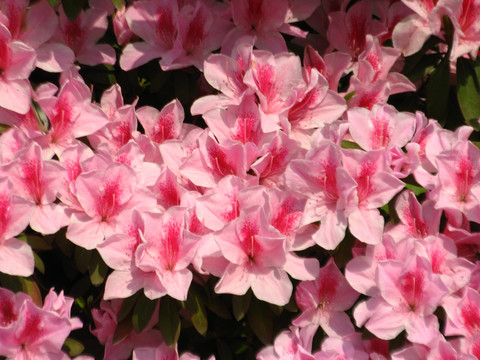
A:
<point x="350" y="145"/>
<point x="438" y="87"/>
<point x="54" y="3"/>
<point x="424" y="67"/>
<point x="127" y="306"/>
<point x="348" y="96"/>
<point x="97" y="269"/>
<point x="38" y="242"/>
<point x="72" y="8"/>
<point x="260" y="320"/>
<point x="468" y="90"/>
<point x="169" y="320"/>
<point x="217" y="306"/>
<point x="416" y="189"/>
<point x="122" y="331"/>
<point x="142" y="313"/>
<point x="195" y="306"/>
<point x="73" y="347"/>
<point x="240" y="305"/>
<point x="118" y="4"/>
<point x="82" y="258"/>
<point x="30" y="287"/>
<point x="39" y="265"/>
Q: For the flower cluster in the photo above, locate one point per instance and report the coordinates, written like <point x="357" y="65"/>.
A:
<point x="292" y="186"/>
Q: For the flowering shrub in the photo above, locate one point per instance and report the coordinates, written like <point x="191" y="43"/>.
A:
<point x="239" y="179"/>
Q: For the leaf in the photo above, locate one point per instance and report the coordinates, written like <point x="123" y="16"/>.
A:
<point x="438" y="87"/>
<point x="97" y="269"/>
<point x="417" y="190"/>
<point x="240" y="305"/>
<point x="82" y="258"/>
<point x="38" y="242"/>
<point x="118" y="4"/>
<point x="349" y="145"/>
<point x="30" y="287"/>
<point x="196" y="308"/>
<point x="169" y="320"/>
<point x="142" y="313"/>
<point x="73" y="347"/>
<point x="39" y="265"/>
<point x="127" y="306"/>
<point x="260" y="320"/>
<point x="468" y="90"/>
<point x="122" y="330"/>
<point x="72" y="8"/>
<point x="218" y="307"/>
<point x="54" y="3"/>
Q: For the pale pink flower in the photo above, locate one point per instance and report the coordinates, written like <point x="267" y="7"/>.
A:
<point x="103" y="196"/>
<point x="17" y="61"/>
<point x="323" y="301"/>
<point x="329" y="189"/>
<point x="156" y="23"/>
<point x="381" y="128"/>
<point x="408" y="296"/>
<point x="348" y="30"/>
<point x="257" y="257"/>
<point x="34" y="24"/>
<point x="290" y="344"/>
<point x="167" y="249"/>
<point x="376" y="186"/>
<point x="38" y="180"/>
<point x="16" y="257"/>
<point x="82" y="36"/>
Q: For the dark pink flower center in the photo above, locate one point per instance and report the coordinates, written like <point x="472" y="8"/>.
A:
<point x="109" y="200"/>
<point x="248" y="234"/>
<point x="411" y="286"/>
<point x="364" y="180"/>
<point x="170" y="245"/>
<point x="195" y="33"/>
<point x="246" y="128"/>
<point x="464" y="178"/>
<point x="380" y="136"/>
<point x="286" y="219"/>
<point x="218" y="160"/>
<point x="165" y="29"/>
<point x="4" y="212"/>
<point x="412" y="219"/>
<point x="74" y="34"/>
<point x="164" y="129"/>
<point x="31" y="174"/>
<point x="471" y="317"/>
<point x="7" y="312"/>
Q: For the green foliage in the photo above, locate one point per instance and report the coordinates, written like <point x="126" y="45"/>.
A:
<point x="468" y="90"/>
<point x="73" y="8"/>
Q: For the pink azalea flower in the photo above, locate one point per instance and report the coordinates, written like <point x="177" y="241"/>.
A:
<point x="381" y="128"/>
<point x="213" y="161"/>
<point x="324" y="300"/>
<point x="225" y="74"/>
<point x="329" y="189"/>
<point x="256" y="258"/>
<point x="71" y="114"/>
<point x="105" y="320"/>
<point x="16" y="64"/>
<point x="277" y="150"/>
<point x="274" y="79"/>
<point x="458" y="185"/>
<point x="16" y="257"/>
<point x="415" y="220"/>
<point x="290" y="344"/>
<point x="348" y="30"/>
<point x="463" y="16"/>
<point x="167" y="254"/>
<point x="332" y="66"/>
<point x="38" y="181"/>
<point x="122" y="125"/>
<point x="376" y="186"/>
<point x="29" y="332"/>
<point x="463" y="315"/>
<point x="200" y="32"/>
<point x="156" y="23"/>
<point x="34" y="25"/>
<point x="82" y="35"/>
<point x="408" y="296"/>
<point x="104" y="195"/>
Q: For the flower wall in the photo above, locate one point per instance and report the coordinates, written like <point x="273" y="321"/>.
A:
<point x="263" y="179"/>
